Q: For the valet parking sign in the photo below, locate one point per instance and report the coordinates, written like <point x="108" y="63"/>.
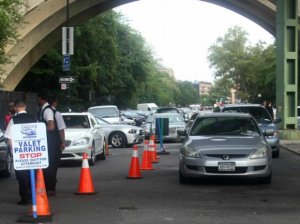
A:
<point x="29" y="146"/>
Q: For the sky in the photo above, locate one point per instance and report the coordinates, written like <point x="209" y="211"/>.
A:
<point x="181" y="31"/>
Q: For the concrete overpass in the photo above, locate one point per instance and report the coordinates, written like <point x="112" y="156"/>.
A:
<point x="44" y="19"/>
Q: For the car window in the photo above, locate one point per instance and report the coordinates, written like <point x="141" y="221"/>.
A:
<point x="73" y="121"/>
<point x="260" y="114"/>
<point x="224" y="126"/>
<point x="104" y="112"/>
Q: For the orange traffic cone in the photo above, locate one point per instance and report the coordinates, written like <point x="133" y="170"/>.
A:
<point x="41" y="208"/>
<point x="86" y="186"/>
<point x="107" y="149"/>
<point x="146" y="162"/>
<point x="134" y="171"/>
<point x="41" y="195"/>
<point x="152" y="150"/>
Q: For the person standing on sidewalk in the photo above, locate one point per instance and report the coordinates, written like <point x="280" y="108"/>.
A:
<point x="47" y="115"/>
<point x="23" y="176"/>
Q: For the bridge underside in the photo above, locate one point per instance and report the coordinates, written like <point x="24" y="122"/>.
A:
<point x="42" y="28"/>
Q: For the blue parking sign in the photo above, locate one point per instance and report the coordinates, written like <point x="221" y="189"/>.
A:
<point x="66" y="63"/>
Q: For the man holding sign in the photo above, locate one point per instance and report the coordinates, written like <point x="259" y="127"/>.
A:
<point x="23" y="176"/>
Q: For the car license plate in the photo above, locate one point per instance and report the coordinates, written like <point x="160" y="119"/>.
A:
<point x="226" y="166"/>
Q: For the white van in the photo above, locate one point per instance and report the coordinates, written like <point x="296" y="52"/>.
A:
<point x="109" y="113"/>
<point x="150" y="107"/>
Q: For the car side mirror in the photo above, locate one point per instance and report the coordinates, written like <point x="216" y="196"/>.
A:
<point x="97" y="126"/>
<point x="268" y="132"/>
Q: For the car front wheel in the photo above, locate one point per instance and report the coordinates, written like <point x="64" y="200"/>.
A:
<point x="92" y="160"/>
<point x="118" y="140"/>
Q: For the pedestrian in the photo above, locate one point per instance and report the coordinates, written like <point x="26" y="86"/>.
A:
<point x="47" y="115"/>
<point x="11" y="112"/>
<point x="23" y="176"/>
<point x="61" y="126"/>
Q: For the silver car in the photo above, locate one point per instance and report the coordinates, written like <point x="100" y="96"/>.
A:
<point x="263" y="119"/>
<point x="176" y="123"/>
<point x="225" y="144"/>
<point x="121" y="135"/>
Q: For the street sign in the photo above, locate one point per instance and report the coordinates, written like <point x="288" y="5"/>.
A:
<point x="66" y="63"/>
<point x="67" y="41"/>
<point x="63" y="86"/>
<point x="29" y="146"/>
<point x="66" y="79"/>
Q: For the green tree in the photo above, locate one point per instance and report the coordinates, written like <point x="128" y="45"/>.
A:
<point x="10" y="18"/>
<point x="251" y="69"/>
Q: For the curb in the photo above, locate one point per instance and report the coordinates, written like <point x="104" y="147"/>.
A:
<point x="289" y="149"/>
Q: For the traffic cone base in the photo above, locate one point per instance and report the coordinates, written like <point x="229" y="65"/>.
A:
<point x="86" y="186"/>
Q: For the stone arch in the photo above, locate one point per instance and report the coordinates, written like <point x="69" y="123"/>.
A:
<point x="42" y="28"/>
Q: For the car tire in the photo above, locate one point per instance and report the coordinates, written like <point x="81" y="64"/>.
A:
<point x="275" y="154"/>
<point x="183" y="179"/>
<point x="118" y="140"/>
<point x="92" y="160"/>
<point x="103" y="154"/>
<point x="265" y="180"/>
<point x="9" y="165"/>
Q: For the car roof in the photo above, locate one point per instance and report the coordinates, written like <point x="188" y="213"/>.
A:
<point x="221" y="114"/>
<point x="243" y="105"/>
<point x="77" y="113"/>
<point x="103" y="106"/>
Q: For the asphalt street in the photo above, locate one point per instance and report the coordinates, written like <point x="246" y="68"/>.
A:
<point x="159" y="198"/>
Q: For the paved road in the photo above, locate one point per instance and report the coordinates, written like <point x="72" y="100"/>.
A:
<point x="159" y="198"/>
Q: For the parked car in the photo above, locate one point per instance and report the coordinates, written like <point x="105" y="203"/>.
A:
<point x="186" y="113"/>
<point x="227" y="145"/>
<point x="83" y="134"/>
<point x="121" y="135"/>
<point x="176" y="122"/>
<point x="6" y="160"/>
<point x="110" y="113"/>
<point x="263" y="119"/>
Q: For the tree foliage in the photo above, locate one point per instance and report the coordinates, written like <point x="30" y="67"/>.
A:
<point x="249" y="69"/>
<point x="10" y="18"/>
<point x="113" y="65"/>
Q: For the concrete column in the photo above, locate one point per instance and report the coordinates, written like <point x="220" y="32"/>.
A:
<point x="287" y="62"/>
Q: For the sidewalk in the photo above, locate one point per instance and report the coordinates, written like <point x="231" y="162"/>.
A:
<point x="291" y="145"/>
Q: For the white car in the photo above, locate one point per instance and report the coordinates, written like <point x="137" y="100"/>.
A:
<point x="121" y="135"/>
<point x="83" y="134"/>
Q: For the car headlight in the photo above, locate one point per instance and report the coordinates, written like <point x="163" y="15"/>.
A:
<point x="132" y="131"/>
<point x="81" y="141"/>
<point x="190" y="152"/>
<point x="260" y="153"/>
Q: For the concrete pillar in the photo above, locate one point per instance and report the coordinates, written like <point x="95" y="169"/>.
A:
<point x="287" y="62"/>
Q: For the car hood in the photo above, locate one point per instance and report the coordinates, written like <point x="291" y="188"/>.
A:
<point x="224" y="144"/>
<point x="123" y="126"/>
<point x="71" y="134"/>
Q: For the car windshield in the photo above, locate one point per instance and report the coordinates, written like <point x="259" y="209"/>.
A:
<point x="173" y="118"/>
<point x="104" y="112"/>
<point x="166" y="110"/>
<point x="101" y="121"/>
<point x="260" y="114"/>
<point x="234" y="126"/>
<point x="76" y="121"/>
